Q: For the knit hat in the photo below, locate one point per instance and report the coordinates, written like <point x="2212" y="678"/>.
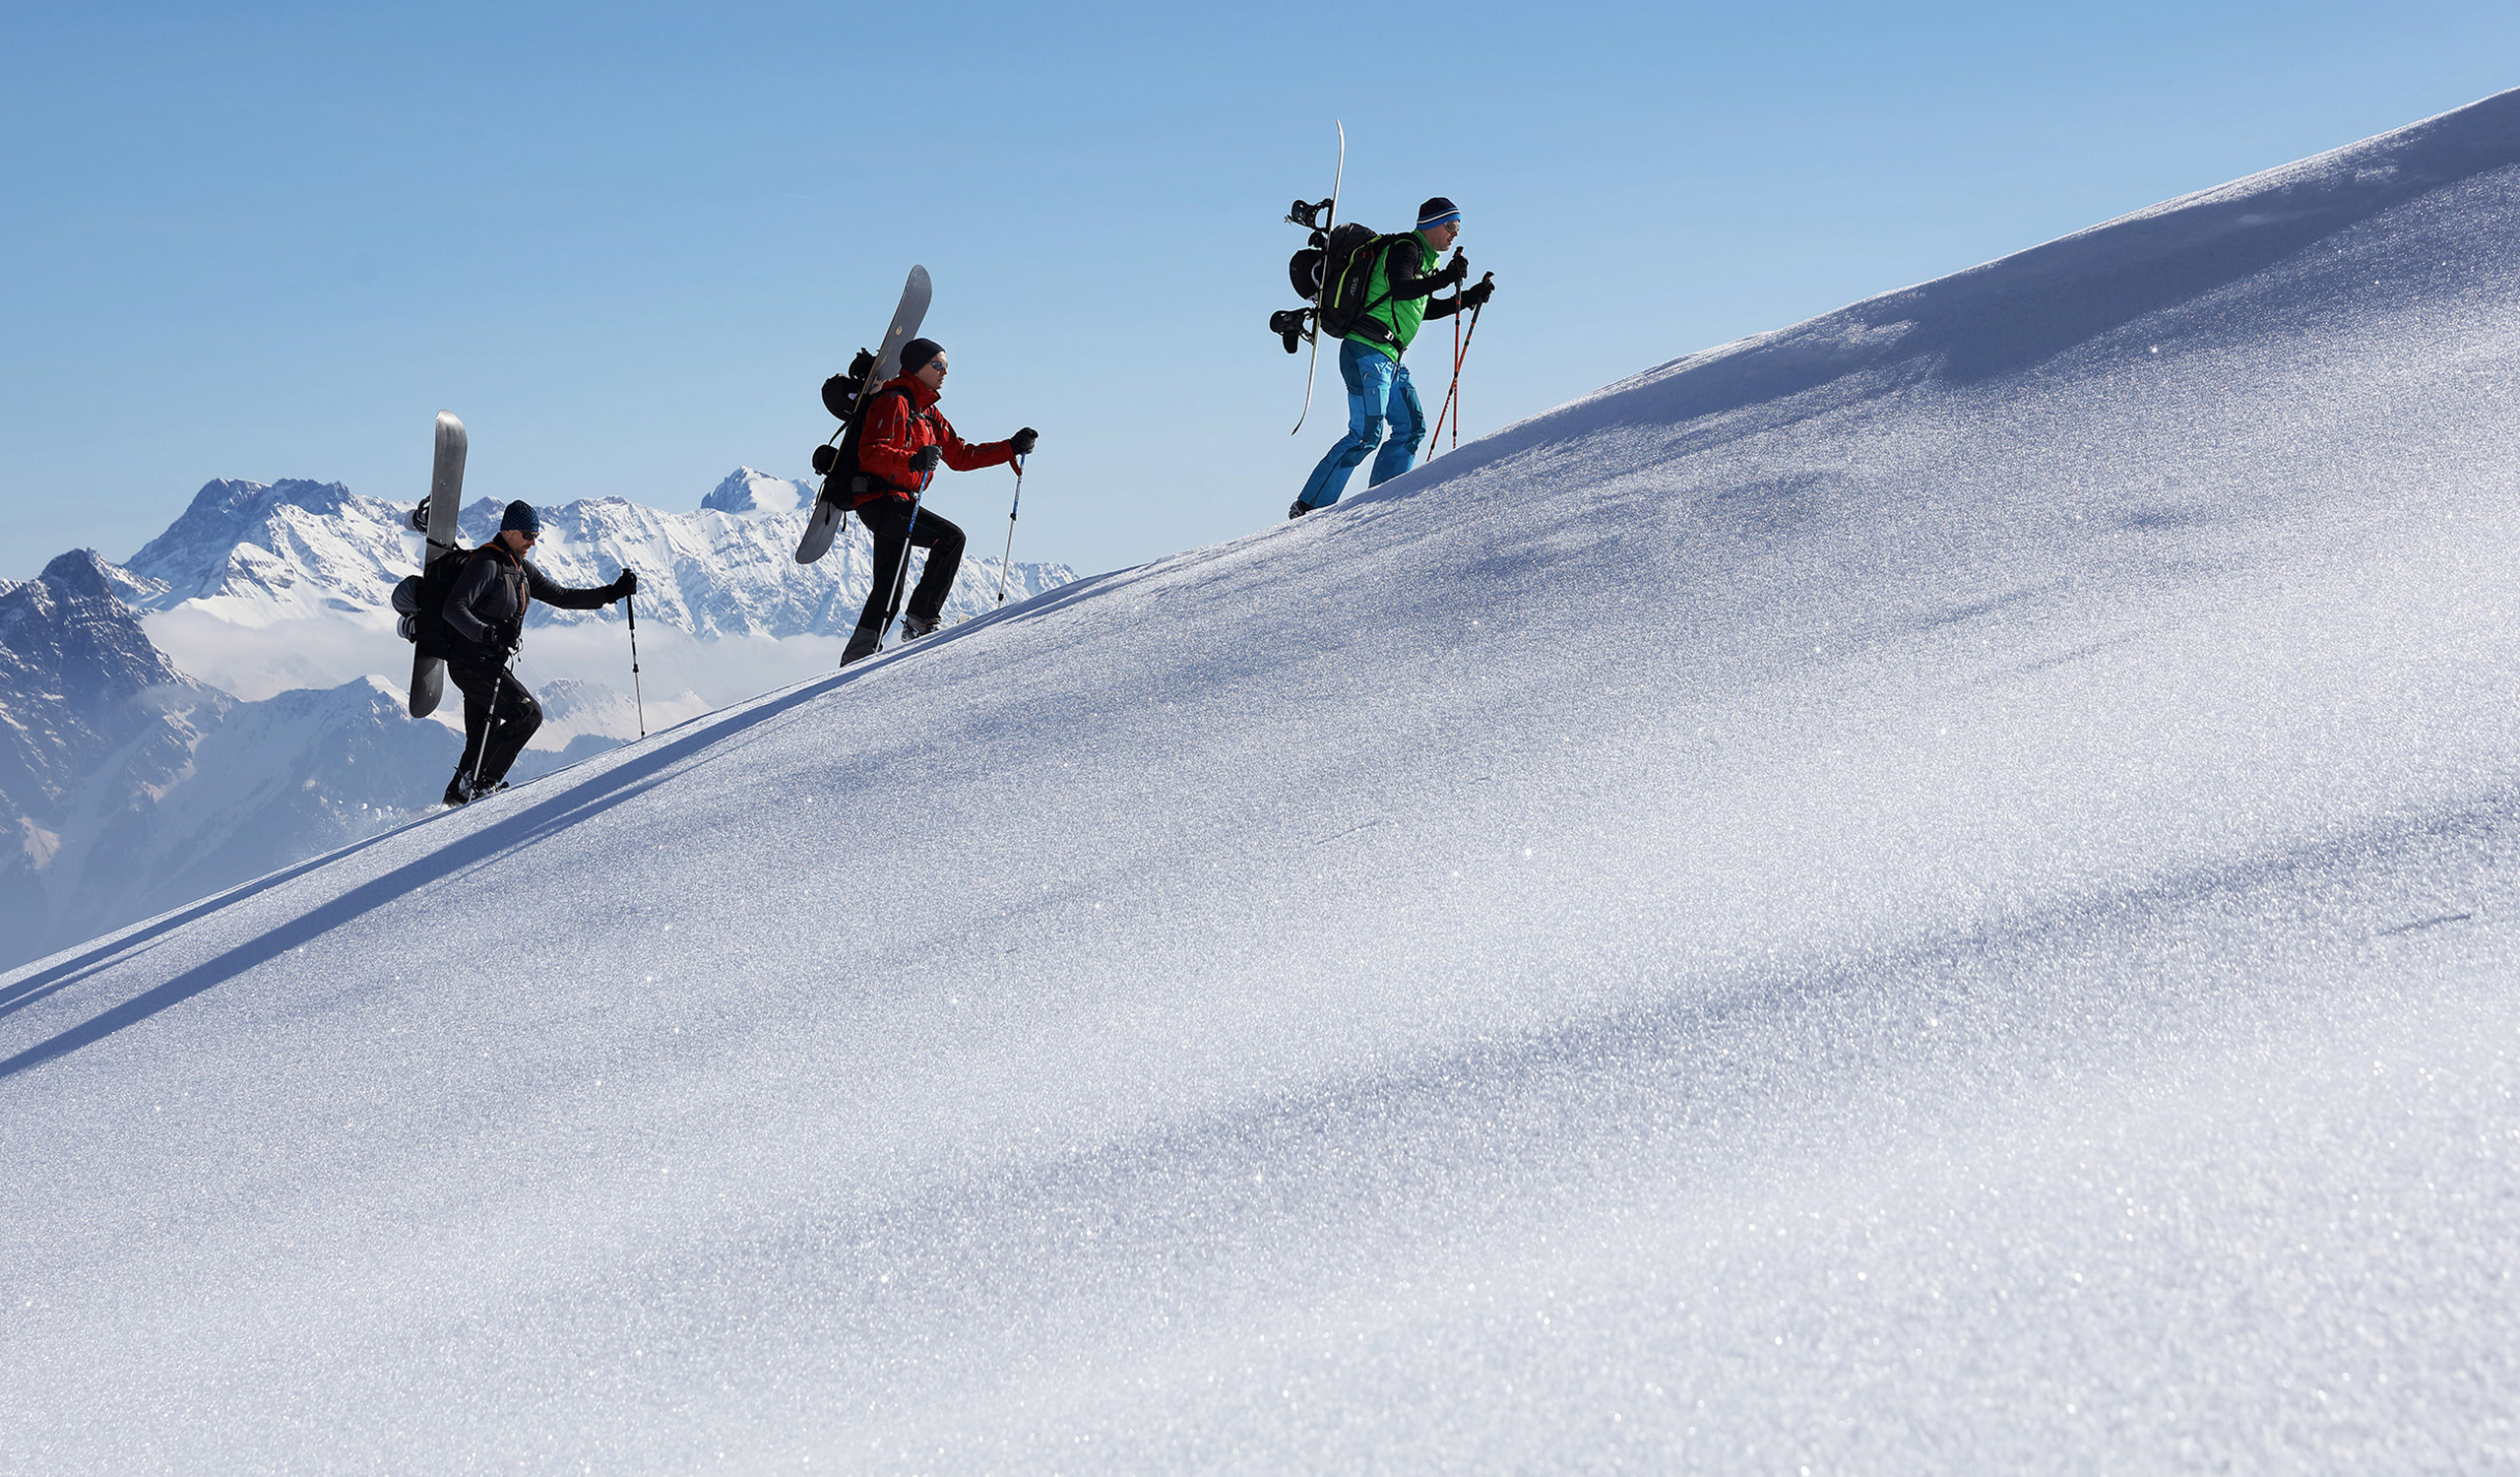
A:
<point x="522" y="517"/>
<point x="916" y="353"/>
<point x="1436" y="211"/>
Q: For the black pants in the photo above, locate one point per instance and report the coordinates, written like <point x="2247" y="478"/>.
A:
<point x="888" y="519"/>
<point x="498" y="710"/>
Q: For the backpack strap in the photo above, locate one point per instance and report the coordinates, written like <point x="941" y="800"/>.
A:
<point x="1374" y="328"/>
<point x="1368" y="326"/>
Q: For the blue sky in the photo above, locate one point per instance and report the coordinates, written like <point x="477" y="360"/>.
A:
<point x="627" y="242"/>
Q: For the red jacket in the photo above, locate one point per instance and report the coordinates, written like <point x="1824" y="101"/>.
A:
<point x="897" y="428"/>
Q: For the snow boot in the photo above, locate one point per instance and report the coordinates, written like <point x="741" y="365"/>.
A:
<point x="1298" y="509"/>
<point x="459" y="790"/>
<point x="916" y="626"/>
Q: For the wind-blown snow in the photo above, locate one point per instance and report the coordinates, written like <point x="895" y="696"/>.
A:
<point x="1932" y="891"/>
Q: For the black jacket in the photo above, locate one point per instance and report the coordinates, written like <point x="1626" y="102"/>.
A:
<point x="492" y="592"/>
<point x="1406" y="277"/>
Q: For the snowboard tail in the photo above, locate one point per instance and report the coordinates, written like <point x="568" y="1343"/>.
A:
<point x="822" y="528"/>
<point x="428" y="683"/>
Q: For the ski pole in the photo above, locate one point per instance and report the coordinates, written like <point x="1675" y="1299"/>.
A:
<point x="1459" y="353"/>
<point x="1002" y="565"/>
<point x="1447" y="408"/>
<point x="490" y="723"/>
<point x="630" y="605"/>
<point x="1452" y="392"/>
<point x="901" y="576"/>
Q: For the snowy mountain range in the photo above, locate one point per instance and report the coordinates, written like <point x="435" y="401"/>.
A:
<point x="137" y="781"/>
<point x="1935" y="890"/>
<point x="255" y="554"/>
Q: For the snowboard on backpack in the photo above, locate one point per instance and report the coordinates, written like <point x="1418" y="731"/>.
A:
<point x="846" y="396"/>
<point x="1309" y="272"/>
<point x="436" y="520"/>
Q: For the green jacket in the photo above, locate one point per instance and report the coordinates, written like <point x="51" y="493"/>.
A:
<point x="1402" y="295"/>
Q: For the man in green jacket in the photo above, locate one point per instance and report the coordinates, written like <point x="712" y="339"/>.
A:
<point x="1401" y="298"/>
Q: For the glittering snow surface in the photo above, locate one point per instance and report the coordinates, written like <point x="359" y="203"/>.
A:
<point x="1931" y="892"/>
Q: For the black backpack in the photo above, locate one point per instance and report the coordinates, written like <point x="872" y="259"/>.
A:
<point x="849" y="397"/>
<point x="1349" y="259"/>
<point x="421" y="601"/>
<point x="1334" y="272"/>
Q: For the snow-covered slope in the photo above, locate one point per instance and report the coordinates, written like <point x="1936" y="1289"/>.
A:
<point x="1933" y="891"/>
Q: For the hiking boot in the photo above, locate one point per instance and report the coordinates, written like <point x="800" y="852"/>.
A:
<point x="916" y="626"/>
<point x="459" y="790"/>
<point x="1298" y="509"/>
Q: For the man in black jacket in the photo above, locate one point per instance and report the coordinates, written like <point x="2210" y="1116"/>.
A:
<point x="485" y="615"/>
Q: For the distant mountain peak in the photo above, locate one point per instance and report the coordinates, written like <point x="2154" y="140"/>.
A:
<point x="300" y="521"/>
<point x="745" y="490"/>
<point x="81" y="572"/>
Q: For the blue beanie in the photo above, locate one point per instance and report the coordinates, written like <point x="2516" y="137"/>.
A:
<point x="1436" y="211"/>
<point x="522" y="517"/>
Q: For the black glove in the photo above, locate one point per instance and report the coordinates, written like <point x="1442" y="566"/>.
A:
<point x="1455" y="270"/>
<point x="507" y="639"/>
<point x="1475" y="295"/>
<point x="626" y="583"/>
<point x="925" y="460"/>
<point x="1023" y="441"/>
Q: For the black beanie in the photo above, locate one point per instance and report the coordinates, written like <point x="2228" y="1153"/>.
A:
<point x="522" y="517"/>
<point x="916" y="353"/>
<point x="1436" y="211"/>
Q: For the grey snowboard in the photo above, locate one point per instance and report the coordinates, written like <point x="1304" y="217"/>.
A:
<point x="446" y="502"/>
<point x="823" y="524"/>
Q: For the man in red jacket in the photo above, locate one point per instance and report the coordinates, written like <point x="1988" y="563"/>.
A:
<point x="897" y="449"/>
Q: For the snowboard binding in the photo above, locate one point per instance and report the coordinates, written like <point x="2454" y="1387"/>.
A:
<point x="840" y="394"/>
<point x="841" y="391"/>
<point x="1305" y="271"/>
<point x="1307" y="214"/>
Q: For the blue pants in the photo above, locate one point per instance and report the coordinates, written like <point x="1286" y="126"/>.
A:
<point x="1378" y="390"/>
